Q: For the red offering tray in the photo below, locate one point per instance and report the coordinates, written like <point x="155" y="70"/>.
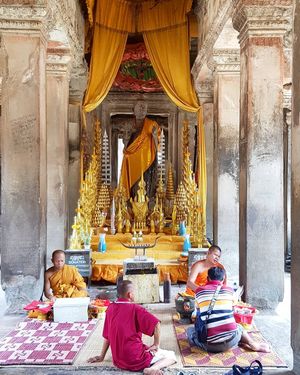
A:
<point x="244" y="314"/>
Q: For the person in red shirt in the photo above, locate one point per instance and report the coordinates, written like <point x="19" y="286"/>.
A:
<point x="125" y="322"/>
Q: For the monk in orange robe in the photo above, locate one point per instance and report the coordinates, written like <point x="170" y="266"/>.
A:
<point x="65" y="281"/>
<point x="199" y="270"/>
<point x="140" y="154"/>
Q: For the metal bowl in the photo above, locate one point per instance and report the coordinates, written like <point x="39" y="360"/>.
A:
<point x="185" y="305"/>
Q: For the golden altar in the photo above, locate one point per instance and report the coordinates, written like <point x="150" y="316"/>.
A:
<point x="166" y="254"/>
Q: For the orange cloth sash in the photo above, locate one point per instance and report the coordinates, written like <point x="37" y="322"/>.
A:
<point x="201" y="279"/>
<point x="139" y="155"/>
<point x="67" y="283"/>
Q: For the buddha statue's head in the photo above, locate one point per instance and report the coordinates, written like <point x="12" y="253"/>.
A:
<point x="140" y="109"/>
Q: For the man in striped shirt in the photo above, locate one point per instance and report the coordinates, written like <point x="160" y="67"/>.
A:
<point x="223" y="333"/>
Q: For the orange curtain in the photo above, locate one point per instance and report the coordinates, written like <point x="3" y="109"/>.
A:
<point x="113" y="20"/>
<point x="165" y="31"/>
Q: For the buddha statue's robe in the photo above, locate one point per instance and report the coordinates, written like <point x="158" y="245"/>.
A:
<point x="67" y="283"/>
<point x="139" y="155"/>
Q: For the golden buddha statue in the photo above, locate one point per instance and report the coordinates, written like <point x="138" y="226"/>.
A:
<point x="154" y="217"/>
<point x="127" y="226"/>
<point x="140" y="206"/>
<point x="161" y="221"/>
<point x="152" y="226"/>
<point x="75" y="240"/>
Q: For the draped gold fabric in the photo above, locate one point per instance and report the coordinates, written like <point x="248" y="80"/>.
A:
<point x="153" y="15"/>
<point x="110" y="272"/>
<point x="165" y="30"/>
<point x="166" y="39"/>
<point x="113" y="21"/>
<point x="139" y="156"/>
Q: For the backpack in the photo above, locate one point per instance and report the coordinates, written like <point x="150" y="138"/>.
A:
<point x="201" y="325"/>
<point x="201" y="328"/>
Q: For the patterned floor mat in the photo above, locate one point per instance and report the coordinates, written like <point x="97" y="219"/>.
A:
<point x="39" y="343"/>
<point x="194" y="356"/>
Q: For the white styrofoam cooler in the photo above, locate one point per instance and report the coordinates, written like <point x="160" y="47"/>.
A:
<point x="69" y="310"/>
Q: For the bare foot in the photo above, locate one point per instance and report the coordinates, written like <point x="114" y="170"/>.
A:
<point x="152" y="371"/>
<point x="258" y="347"/>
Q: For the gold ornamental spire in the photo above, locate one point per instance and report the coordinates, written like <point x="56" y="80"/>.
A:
<point x="170" y="194"/>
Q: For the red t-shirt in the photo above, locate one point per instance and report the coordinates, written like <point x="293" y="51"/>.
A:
<point x="125" y="322"/>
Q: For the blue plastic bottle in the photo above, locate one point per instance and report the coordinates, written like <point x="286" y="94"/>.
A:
<point x="186" y="245"/>
<point x="182" y="228"/>
<point x="102" y="243"/>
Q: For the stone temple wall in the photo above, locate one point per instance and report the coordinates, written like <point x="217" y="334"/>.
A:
<point x="41" y="52"/>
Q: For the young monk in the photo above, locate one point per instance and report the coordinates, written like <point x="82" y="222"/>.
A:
<point x="198" y="274"/>
<point x="64" y="281"/>
<point x="125" y="322"/>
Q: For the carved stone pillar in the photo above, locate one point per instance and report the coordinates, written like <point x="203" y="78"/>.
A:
<point x="57" y="70"/>
<point x="295" y="205"/>
<point x="205" y="94"/>
<point x="287" y="143"/>
<point x="261" y="28"/>
<point x="226" y="67"/>
<point x="23" y="147"/>
<point x="77" y="87"/>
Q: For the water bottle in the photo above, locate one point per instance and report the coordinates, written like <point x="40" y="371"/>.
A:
<point x="182" y="228"/>
<point x="102" y="243"/>
<point x="186" y="243"/>
<point x="167" y="288"/>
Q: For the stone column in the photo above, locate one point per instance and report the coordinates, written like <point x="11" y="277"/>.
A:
<point x="295" y="189"/>
<point x="76" y="89"/>
<point x="205" y="94"/>
<point x="287" y="142"/>
<point x="226" y="67"/>
<point x="261" y="28"/>
<point x="57" y="70"/>
<point x="23" y="147"/>
<point x="74" y="164"/>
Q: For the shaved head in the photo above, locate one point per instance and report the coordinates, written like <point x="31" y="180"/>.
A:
<point x="214" y="247"/>
<point x="57" y="252"/>
<point x="124" y="287"/>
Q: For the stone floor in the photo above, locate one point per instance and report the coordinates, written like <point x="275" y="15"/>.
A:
<point x="275" y="326"/>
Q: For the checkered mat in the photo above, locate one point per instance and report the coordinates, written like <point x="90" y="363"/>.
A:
<point x="39" y="343"/>
<point x="194" y="356"/>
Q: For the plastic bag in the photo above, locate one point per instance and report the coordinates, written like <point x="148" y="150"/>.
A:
<point x="255" y="368"/>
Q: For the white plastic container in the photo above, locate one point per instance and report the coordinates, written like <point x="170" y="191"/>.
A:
<point x="69" y="310"/>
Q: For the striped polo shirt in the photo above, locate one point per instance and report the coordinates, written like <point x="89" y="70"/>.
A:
<point x="221" y="323"/>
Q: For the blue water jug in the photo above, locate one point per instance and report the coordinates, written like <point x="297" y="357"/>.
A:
<point x="182" y="228"/>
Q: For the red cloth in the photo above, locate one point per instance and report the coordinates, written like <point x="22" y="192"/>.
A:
<point x="123" y="327"/>
<point x="43" y="307"/>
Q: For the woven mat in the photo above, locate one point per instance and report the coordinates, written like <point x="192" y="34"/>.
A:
<point x="35" y="342"/>
<point x="193" y="356"/>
